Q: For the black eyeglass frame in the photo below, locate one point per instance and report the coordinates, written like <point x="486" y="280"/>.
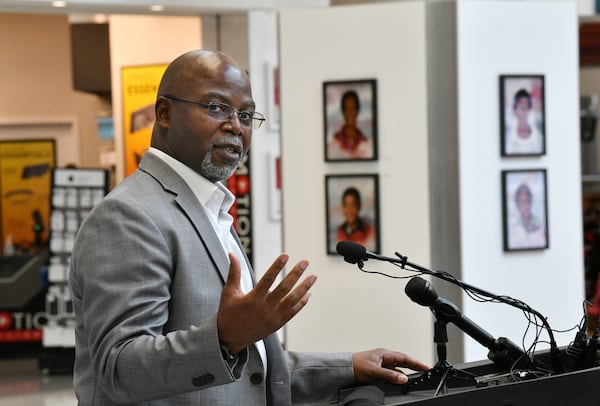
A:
<point x="256" y="119"/>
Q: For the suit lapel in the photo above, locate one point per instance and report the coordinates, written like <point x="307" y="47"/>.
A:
<point x="189" y="204"/>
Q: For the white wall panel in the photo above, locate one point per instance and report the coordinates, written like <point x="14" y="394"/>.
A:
<point x="350" y="310"/>
<point x="524" y="37"/>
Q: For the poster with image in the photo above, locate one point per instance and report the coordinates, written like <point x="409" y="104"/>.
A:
<point x="25" y="186"/>
<point x="139" y="88"/>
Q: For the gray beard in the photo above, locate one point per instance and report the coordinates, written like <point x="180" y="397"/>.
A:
<point x="215" y="173"/>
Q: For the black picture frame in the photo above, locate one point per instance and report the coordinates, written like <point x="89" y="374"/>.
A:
<point x="345" y="188"/>
<point x="522" y="115"/>
<point x="525" y="209"/>
<point x="338" y="95"/>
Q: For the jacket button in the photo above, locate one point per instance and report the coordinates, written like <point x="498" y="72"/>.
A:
<point x="203" y="380"/>
<point x="256" y="378"/>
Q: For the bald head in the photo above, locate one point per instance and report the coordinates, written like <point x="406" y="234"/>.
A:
<point x="197" y="65"/>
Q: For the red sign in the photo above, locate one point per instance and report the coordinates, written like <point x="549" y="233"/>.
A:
<point x="241" y="211"/>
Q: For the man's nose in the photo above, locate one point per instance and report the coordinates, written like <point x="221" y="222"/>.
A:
<point x="236" y="125"/>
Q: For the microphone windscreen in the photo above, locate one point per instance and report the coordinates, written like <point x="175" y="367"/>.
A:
<point x="420" y="291"/>
<point x="351" y="251"/>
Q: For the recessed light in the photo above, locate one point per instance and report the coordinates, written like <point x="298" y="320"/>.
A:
<point x="100" y="18"/>
<point x="59" y="4"/>
<point x="157" y="7"/>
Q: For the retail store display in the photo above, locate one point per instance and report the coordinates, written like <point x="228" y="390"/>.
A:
<point x="74" y="194"/>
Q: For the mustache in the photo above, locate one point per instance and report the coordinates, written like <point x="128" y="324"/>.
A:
<point x="231" y="142"/>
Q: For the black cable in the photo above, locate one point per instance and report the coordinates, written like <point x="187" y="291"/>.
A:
<point x="481" y="296"/>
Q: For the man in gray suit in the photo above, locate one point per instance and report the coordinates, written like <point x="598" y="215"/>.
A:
<point x="167" y="308"/>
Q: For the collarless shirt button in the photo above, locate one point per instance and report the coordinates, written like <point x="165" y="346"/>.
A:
<point x="256" y="378"/>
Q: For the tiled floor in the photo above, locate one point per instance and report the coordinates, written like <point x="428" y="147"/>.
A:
<point x="22" y="384"/>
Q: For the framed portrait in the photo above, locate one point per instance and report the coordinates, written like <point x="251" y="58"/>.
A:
<point x="522" y="115"/>
<point x="352" y="209"/>
<point x="525" y="209"/>
<point x="350" y="120"/>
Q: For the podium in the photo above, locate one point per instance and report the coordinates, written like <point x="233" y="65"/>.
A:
<point x="553" y="390"/>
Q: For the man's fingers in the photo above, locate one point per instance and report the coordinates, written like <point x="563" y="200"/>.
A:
<point x="267" y="280"/>
<point x="393" y="376"/>
<point x="300" y="304"/>
<point x="235" y="273"/>
<point x="298" y="294"/>
<point x="395" y="359"/>
<point x="287" y="308"/>
<point x="288" y="283"/>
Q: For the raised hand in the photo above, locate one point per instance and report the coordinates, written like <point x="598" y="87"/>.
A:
<point x="243" y="319"/>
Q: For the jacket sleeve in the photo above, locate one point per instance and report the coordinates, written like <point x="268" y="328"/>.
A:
<point x="317" y="377"/>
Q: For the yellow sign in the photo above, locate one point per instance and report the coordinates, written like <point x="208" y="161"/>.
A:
<point x="140" y="86"/>
<point x="25" y="185"/>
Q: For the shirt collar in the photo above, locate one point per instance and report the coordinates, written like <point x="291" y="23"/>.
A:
<point x="214" y="196"/>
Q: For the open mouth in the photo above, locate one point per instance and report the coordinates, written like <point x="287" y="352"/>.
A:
<point x="229" y="152"/>
<point x="230" y="147"/>
<point x="233" y="149"/>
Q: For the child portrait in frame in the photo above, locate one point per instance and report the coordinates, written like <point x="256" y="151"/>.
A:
<point x="352" y="211"/>
<point x="350" y="119"/>
<point x="522" y="115"/>
<point x="525" y="209"/>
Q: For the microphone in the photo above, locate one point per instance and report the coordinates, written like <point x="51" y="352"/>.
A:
<point x="421" y="292"/>
<point x="502" y="351"/>
<point x="355" y="253"/>
<point x="351" y="251"/>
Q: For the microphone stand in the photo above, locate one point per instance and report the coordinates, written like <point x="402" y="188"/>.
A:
<point x="402" y="261"/>
<point x="442" y="368"/>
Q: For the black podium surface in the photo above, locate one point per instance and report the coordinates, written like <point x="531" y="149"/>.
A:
<point x="551" y="390"/>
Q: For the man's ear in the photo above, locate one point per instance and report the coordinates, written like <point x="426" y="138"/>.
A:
<point x="162" y="111"/>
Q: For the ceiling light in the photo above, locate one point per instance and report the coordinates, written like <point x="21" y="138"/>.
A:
<point x="100" y="18"/>
<point x="59" y="4"/>
<point x="157" y="7"/>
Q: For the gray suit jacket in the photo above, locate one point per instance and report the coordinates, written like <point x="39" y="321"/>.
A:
<point x="146" y="275"/>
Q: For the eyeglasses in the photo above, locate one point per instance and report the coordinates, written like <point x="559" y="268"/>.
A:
<point x="223" y="112"/>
